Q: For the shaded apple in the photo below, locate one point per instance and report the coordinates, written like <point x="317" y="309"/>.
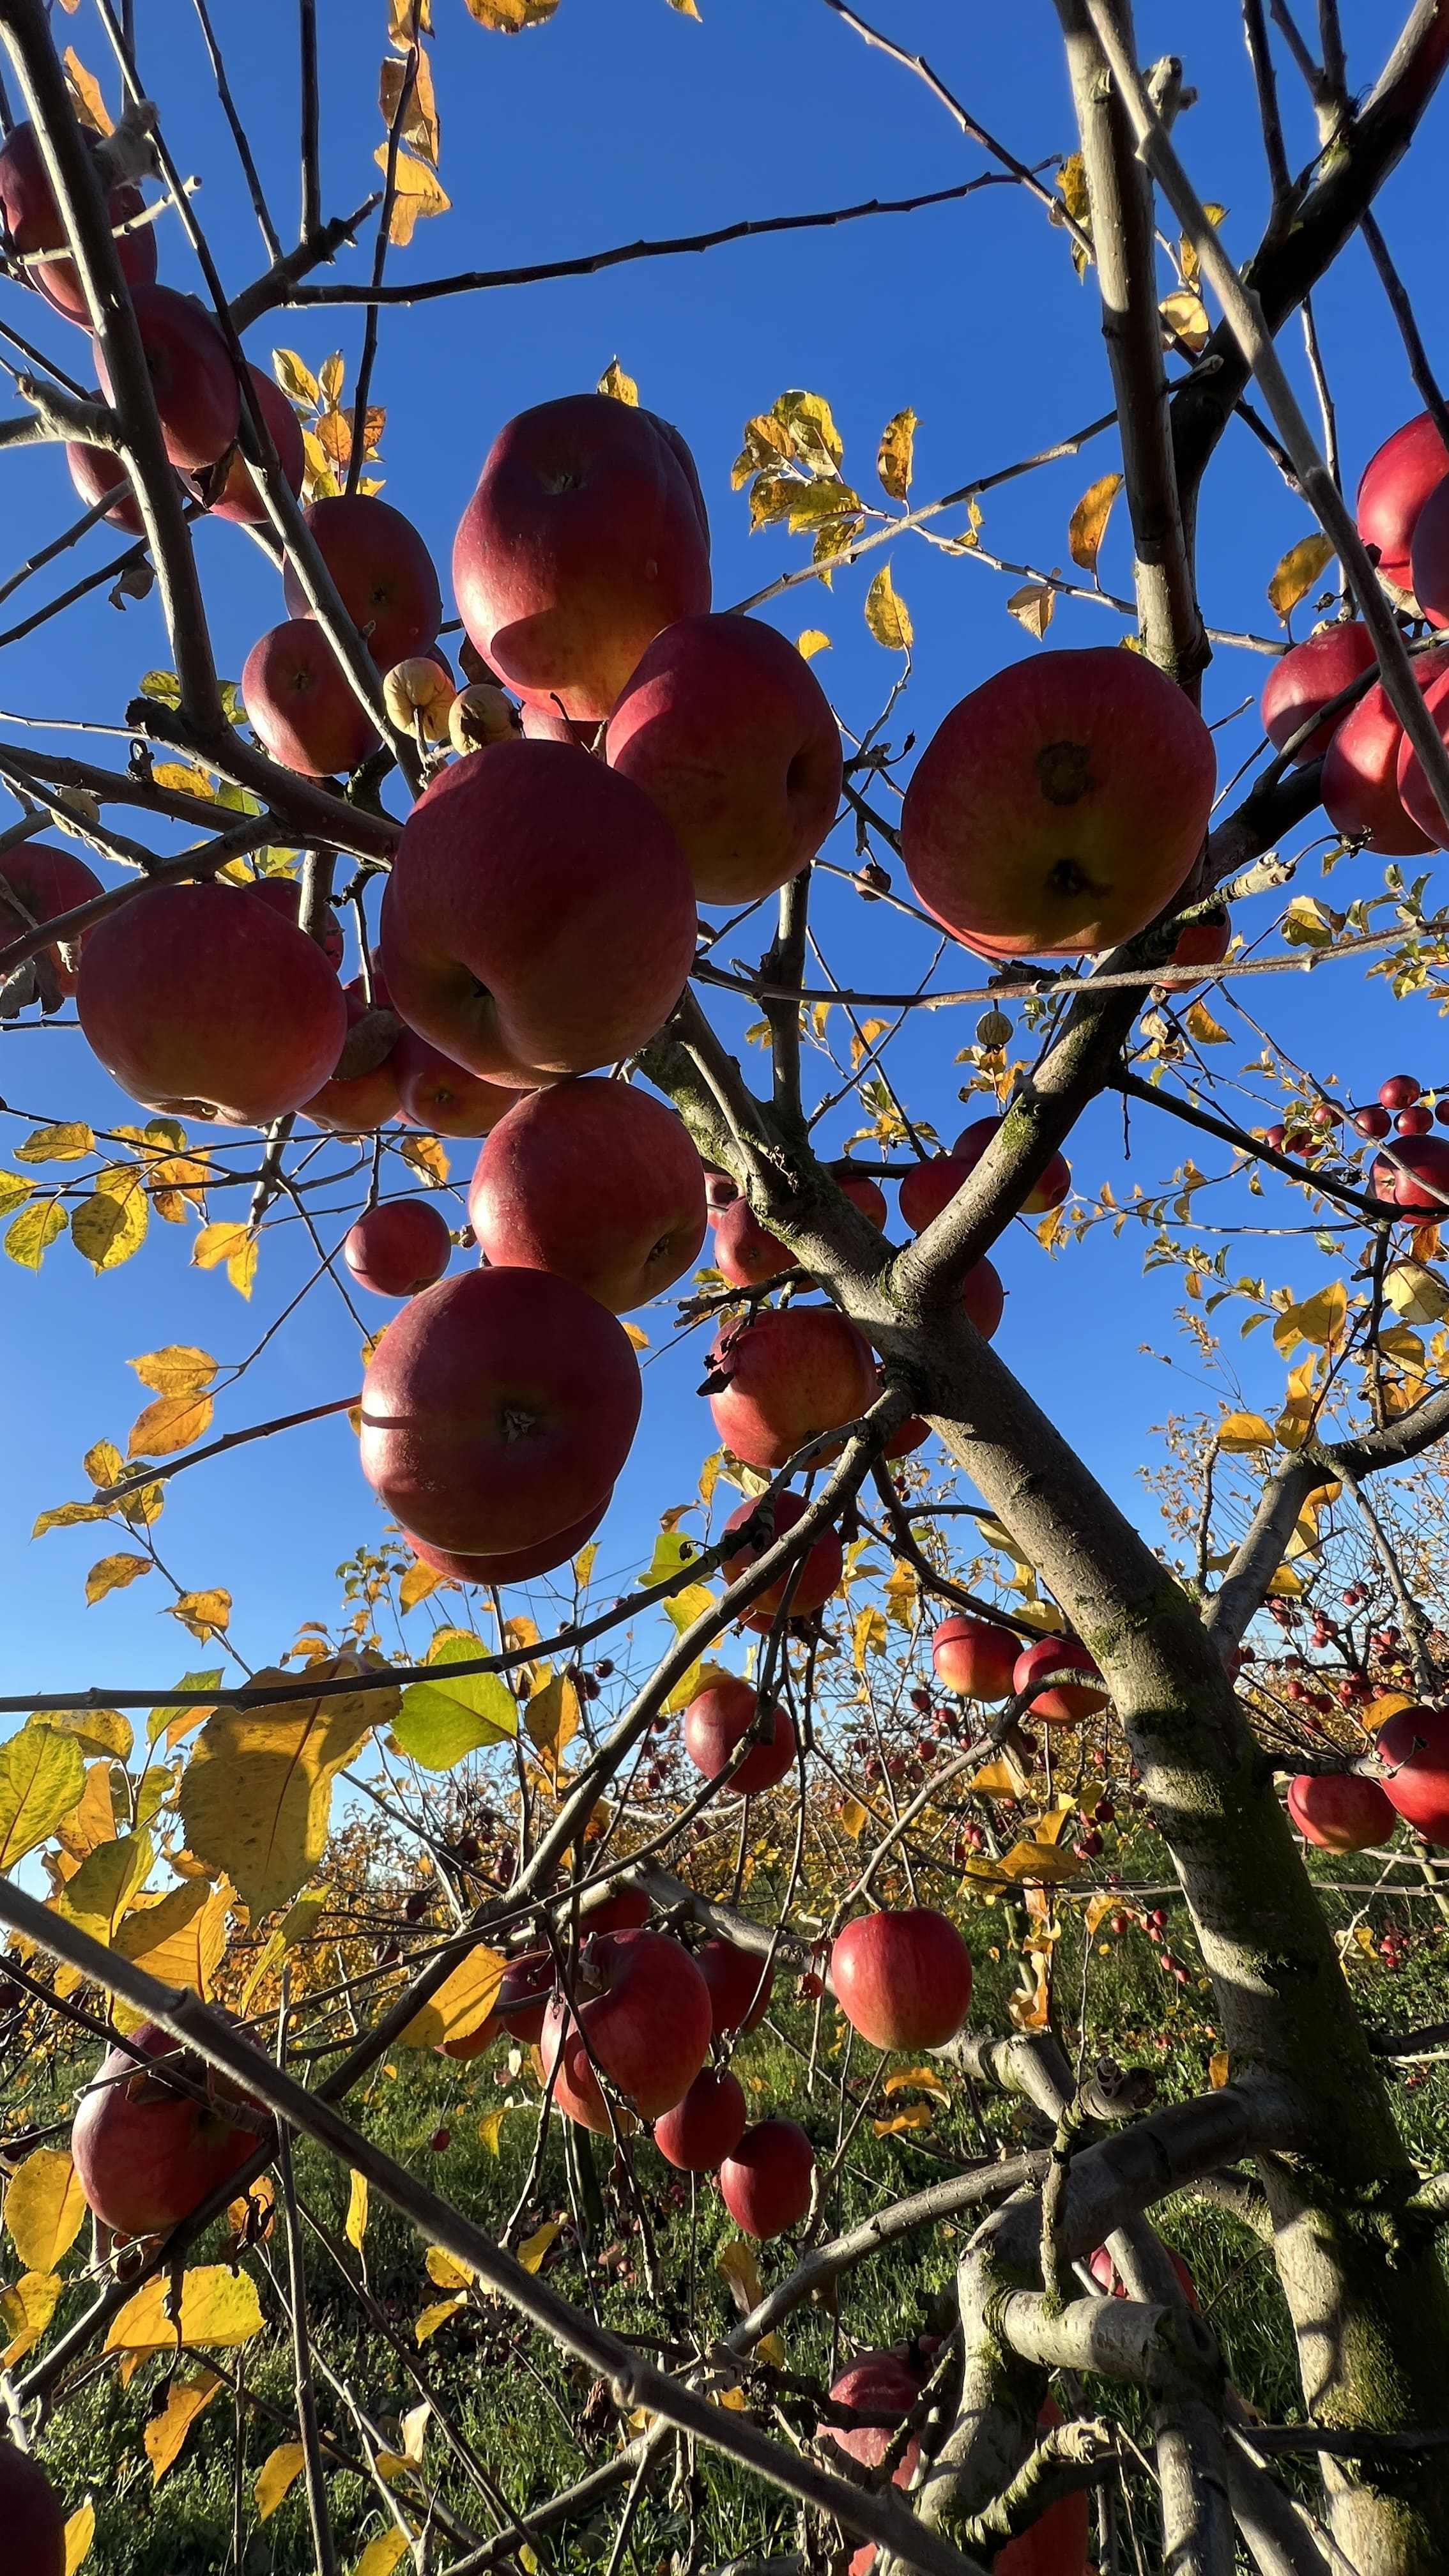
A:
<point x="145" y="2154"/>
<point x="1413" y="1173"/>
<point x="863" y="1192"/>
<point x="383" y="572"/>
<point x="33" y="221"/>
<point x="240" y="498"/>
<point x="1070" y="1700"/>
<point x="792" y="1374"/>
<point x="984" y="1298"/>
<point x="818" y="1576"/>
<point x="1204" y="942"/>
<point x="514" y="1565"/>
<point x="284" y="895"/>
<point x="740" y="1983"/>
<point x="444" y="1097"/>
<point x="398" y="1247"/>
<point x="192" y="377"/>
<point x="1360" y="782"/>
<point x="745" y="1251"/>
<point x="31" y="2515"/>
<point x="975" y="1657"/>
<point x="706" y="2126"/>
<point x="1305" y="679"/>
<point x="766" y="2184"/>
<point x="361" y="1094"/>
<point x="45" y="883"/>
<point x="598" y="1182"/>
<point x="718" y="1720"/>
<point x="902" y="1979"/>
<point x="647" y="2020"/>
<point x="95" y="471"/>
<point x="1048" y="1189"/>
<point x="1340" y="1811"/>
<point x="876" y="2383"/>
<point x="301" y="704"/>
<point x="1415" y="793"/>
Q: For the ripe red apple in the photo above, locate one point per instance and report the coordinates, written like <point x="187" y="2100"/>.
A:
<point x="1105" y="2273"/>
<point x="1060" y="805"/>
<point x="862" y="1192"/>
<point x="356" y="1102"/>
<point x="97" y="470"/>
<point x="717" y="1721"/>
<point x="31" y="2514"/>
<point x="441" y="1096"/>
<point x="1308" y="675"/>
<point x="648" y="2023"/>
<point x="146" y="2155"/>
<point x="542" y="724"/>
<point x="201" y="1001"/>
<point x="301" y="705"/>
<point x="1056" y="2543"/>
<point x="1048" y="1189"/>
<point x="975" y="1657"/>
<point x="518" y="2012"/>
<point x="1394" y="487"/>
<point x="719" y="1190"/>
<point x="46" y="882"/>
<point x="725" y="725"/>
<point x="596" y="1181"/>
<point x="911" y="1434"/>
<point x="903" y="1980"/>
<point x="792" y="1374"/>
<point x="192" y="377"/>
<point x="1204" y="942"/>
<point x="876" y="2383"/>
<point x="626" y="1912"/>
<point x="586" y="535"/>
<point x="539" y="917"/>
<point x="284" y="895"/>
<point x="33" y="222"/>
<point x="745" y="1251"/>
<point x="766" y="2184"/>
<point x="1339" y="1811"/>
<point x="498" y="1410"/>
<point x="1361" y="770"/>
<point x="1400" y="1091"/>
<point x="740" y="1985"/>
<point x="928" y="1187"/>
<point x="398" y="1247"/>
<point x="517" y="1565"/>
<point x="819" y="1574"/>
<point x="706" y="2126"/>
<point x="1413" y="1175"/>
<point x="1415" y="793"/>
<point x="240" y="498"/>
<point x="383" y="571"/>
<point x="1073" y="1699"/>
<point x="1413" y="1746"/>
<point x="984" y="1298"/>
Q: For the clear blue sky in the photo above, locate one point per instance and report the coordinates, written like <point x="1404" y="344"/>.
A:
<point x="613" y="122"/>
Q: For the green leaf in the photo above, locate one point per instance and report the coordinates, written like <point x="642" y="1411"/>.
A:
<point x="442" y="1721"/>
<point x="162" y="685"/>
<point x="41" y="1777"/>
<point x="672" y="1553"/>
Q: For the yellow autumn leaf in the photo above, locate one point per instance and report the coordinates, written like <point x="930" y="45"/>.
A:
<point x="635" y="1333"/>
<point x="868" y="1636"/>
<point x="919" y="2116"/>
<point x="918" y="2079"/>
<point x="810" y="641"/>
<point x="437" y="2315"/>
<point x="426" y="1155"/>
<point x="166" y="2433"/>
<point x="533" y="2249"/>
<point x="619" y="386"/>
<point x="896" y="452"/>
<point x="277" y="2475"/>
<point x="445" y="2271"/>
<point x="206" y="1614"/>
<point x="217" y="2306"/>
<point x="418" y="1583"/>
<point x="738" y="2267"/>
<point x="1032" y="606"/>
<point x="45" y="2208"/>
<point x="80" y="2531"/>
<point x="1184" y="316"/>
<point x="419" y="125"/>
<point x="233" y="1245"/>
<point x="461" y="2005"/>
<point x="887" y="615"/>
<point x="490" y="2128"/>
<point x="854" y="1818"/>
<point x="1218" y="2069"/>
<point x="181" y="1941"/>
<point x="1244" y="1431"/>
<point x="41" y="1779"/>
<point x="114" y="1574"/>
<point x="106" y="1883"/>
<point x="26" y="2309"/>
<point x="92" y="1820"/>
<point x="173" y="1422"/>
<point x="1298" y="570"/>
<point x="109" y="1226"/>
<point x="552" y="1720"/>
<point x="68" y="1142"/>
<point x="1088" y="523"/>
<point x="89" y="105"/>
<point x="95" y="1730"/>
<point x="419" y="193"/>
<point x="381" y="2556"/>
<point x="256" y="1797"/>
<point x="355" y="2224"/>
<point x="1200" y="1025"/>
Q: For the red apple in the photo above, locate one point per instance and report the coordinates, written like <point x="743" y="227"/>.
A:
<point x="398" y="1247"/>
<point x="517" y="1565"/>
<point x="862" y="1192"/>
<point x="1056" y="2543"/>
<point x="647" y="2019"/>
<point x="706" y="2126"/>
<point x="1400" y="1091"/>
<point x="876" y="2383"/>
<point x="284" y="895"/>
<point x="362" y="1093"/>
<point x="1048" y="1189"/>
<point x="1073" y="1699"/>
<point x="31" y="2514"/>
<point x="498" y="1410"/>
<point x="441" y="1096"/>
<point x="718" y="1720"/>
<point x="596" y="1181"/>
<point x="586" y="535"/>
<point x="97" y="470"/>
<point x="1413" y="1746"/>
<point x="1415" y="793"/>
<point x="975" y="1657"/>
<point x="984" y="1298"/>
<point x="45" y="882"/>
<point x="146" y="2155"/>
<point x="33" y="222"/>
<point x="301" y="704"/>
<point x="1339" y="1811"/>
<point x="725" y="725"/>
<point x="240" y="497"/>
<point x="745" y="1251"/>
<point x="1204" y="942"/>
<point x="792" y="1374"/>
<point x="1060" y="805"/>
<point x="203" y="1002"/>
<point x="626" y="1912"/>
<point x="1308" y="675"/>
<point x="911" y="1434"/>
<point x="383" y="571"/>
<point x="1360" y="770"/>
<point x="1413" y="1174"/>
<point x="719" y="1190"/>
<point x="1395" y="485"/>
<point x="518" y="2011"/>
<point x="740" y="1985"/>
<point x="539" y="917"/>
<point x="1107" y="2277"/>
<point x="928" y="1187"/>
<point x="903" y="1980"/>
<point x="818" y="1576"/>
<point x="542" y="724"/>
<point x="766" y="2184"/>
<point x="192" y="376"/>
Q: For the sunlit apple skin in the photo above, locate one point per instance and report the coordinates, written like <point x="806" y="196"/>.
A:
<point x="198" y="400"/>
<point x="1059" y="806"/>
<point x="596" y="1181"/>
<point x="518" y="1565"/>
<point x="1360" y="788"/>
<point x="284" y="895"/>
<point x="876" y="2383"/>
<point x="1339" y="1811"/>
<point x="1394" y="486"/>
<point x="649" y="2029"/>
<point x="1414" y="1176"/>
<point x="1205" y="942"/>
<point x="200" y="1001"/>
<point x="1105" y="2273"/>
<point x="1072" y="1700"/>
<point x="903" y="1980"/>
<point x="31" y="2515"/>
<point x="818" y="1576"/>
<point x="586" y="536"/>
<point x="32" y="219"/>
<point x="498" y="1410"/>
<point x="766" y="2184"/>
<point x="739" y="1985"/>
<point x="706" y="2126"/>
<point x="358" y="1104"/>
<point x="1415" y="793"/>
<point x="239" y="499"/>
<point x="975" y="1657"/>
<point x="745" y="1251"/>
<point x="1413" y="1746"/>
<point x="1306" y="677"/>
<point x="384" y="574"/>
<point x="717" y="1720"/>
<point x="398" y="1247"/>
<point x="301" y="705"/>
<point x="444" y="1097"/>
<point x="724" y="724"/>
<point x="145" y="2164"/>
<point x="97" y="470"/>
<point x="539" y="918"/>
<point x="47" y="882"/>
<point x="793" y="1374"/>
